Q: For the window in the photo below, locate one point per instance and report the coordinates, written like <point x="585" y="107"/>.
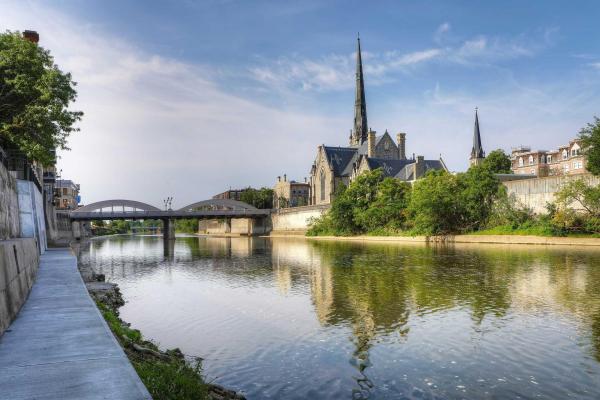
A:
<point x="530" y="160"/>
<point x="520" y="161"/>
<point x="565" y="154"/>
<point x="533" y="172"/>
<point x="322" y="179"/>
<point x="549" y="159"/>
<point x="64" y="191"/>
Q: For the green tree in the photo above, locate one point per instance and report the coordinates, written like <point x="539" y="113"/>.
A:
<point x="498" y="162"/>
<point x="480" y="189"/>
<point x="590" y="138"/>
<point x="388" y="208"/>
<point x="259" y="198"/>
<point x="580" y="194"/>
<point x="435" y="205"/>
<point x="34" y="99"/>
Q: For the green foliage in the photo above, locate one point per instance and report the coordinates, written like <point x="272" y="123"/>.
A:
<point x="186" y="225"/>
<point x="579" y="194"/>
<point x="590" y="139"/>
<point x="435" y="205"/>
<point x="371" y="202"/>
<point x="479" y="190"/>
<point x="498" y="162"/>
<point x="34" y="99"/>
<point x="259" y="198"/>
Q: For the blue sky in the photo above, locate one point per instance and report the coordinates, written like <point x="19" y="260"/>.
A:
<point x="186" y="98"/>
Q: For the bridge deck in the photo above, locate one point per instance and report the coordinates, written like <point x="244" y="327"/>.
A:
<point x="60" y="347"/>
<point x="174" y="214"/>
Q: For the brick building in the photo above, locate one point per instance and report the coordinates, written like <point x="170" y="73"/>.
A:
<point x="565" y="160"/>
<point x="290" y="193"/>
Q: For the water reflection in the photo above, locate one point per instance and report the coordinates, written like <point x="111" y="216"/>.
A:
<point x="290" y="318"/>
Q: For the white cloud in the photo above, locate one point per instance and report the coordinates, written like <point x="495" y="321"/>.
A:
<point x="157" y="127"/>
<point x="441" y="32"/>
<point x="335" y="72"/>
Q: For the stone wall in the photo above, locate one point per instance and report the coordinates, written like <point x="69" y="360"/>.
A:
<point x="31" y="213"/>
<point x="536" y="193"/>
<point x="19" y="261"/>
<point x="235" y="226"/>
<point x="296" y="219"/>
<point x="9" y="206"/>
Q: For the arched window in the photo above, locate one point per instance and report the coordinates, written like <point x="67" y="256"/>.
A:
<point x="530" y="160"/>
<point x="565" y="154"/>
<point x="322" y="180"/>
<point x="520" y="161"/>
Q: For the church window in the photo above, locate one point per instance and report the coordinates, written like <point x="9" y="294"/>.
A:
<point x="520" y="161"/>
<point x="530" y="160"/>
<point x="322" y="179"/>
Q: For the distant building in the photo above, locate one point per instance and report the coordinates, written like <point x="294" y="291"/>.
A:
<point x="66" y="194"/>
<point x="231" y="194"/>
<point x="290" y="193"/>
<point x="335" y="166"/>
<point x="566" y="160"/>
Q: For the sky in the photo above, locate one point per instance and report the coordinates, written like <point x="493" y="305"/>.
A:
<point x="190" y="98"/>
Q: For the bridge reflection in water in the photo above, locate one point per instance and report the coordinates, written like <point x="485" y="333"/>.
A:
<point x="392" y="319"/>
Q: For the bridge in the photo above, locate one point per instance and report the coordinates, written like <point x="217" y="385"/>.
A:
<point x="120" y="209"/>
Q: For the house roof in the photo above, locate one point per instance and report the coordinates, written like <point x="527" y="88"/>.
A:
<point x="339" y="158"/>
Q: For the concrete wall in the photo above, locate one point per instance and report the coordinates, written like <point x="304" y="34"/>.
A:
<point x="235" y="226"/>
<point x="296" y="219"/>
<point x="535" y="193"/>
<point x="31" y="213"/>
<point x="9" y="206"/>
<point x="19" y="261"/>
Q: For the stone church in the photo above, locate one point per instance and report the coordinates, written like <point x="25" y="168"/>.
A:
<point x="335" y="166"/>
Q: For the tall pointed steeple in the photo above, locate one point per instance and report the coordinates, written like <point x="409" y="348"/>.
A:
<point x="477" y="153"/>
<point x="359" y="132"/>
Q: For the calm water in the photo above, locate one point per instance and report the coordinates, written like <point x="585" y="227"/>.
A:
<point x="295" y="319"/>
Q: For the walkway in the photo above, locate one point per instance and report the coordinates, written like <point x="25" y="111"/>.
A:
<point x="60" y="347"/>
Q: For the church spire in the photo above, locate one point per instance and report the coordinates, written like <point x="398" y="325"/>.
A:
<point x="359" y="133"/>
<point x="477" y="153"/>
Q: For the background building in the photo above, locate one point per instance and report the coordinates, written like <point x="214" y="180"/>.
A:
<point x="290" y="193"/>
<point x="231" y="194"/>
<point x="66" y="194"/>
<point x="566" y="160"/>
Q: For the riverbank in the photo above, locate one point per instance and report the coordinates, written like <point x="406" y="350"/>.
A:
<point x="166" y="374"/>
<point x="484" y="239"/>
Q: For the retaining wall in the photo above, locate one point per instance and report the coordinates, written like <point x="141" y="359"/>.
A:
<point x="31" y="213"/>
<point x="296" y="219"/>
<point x="9" y="205"/>
<point x="19" y="260"/>
<point x="536" y="193"/>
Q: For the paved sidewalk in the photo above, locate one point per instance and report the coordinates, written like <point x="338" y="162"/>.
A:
<point x="60" y="347"/>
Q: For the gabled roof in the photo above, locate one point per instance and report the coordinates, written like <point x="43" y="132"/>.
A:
<point x="389" y="167"/>
<point x="339" y="158"/>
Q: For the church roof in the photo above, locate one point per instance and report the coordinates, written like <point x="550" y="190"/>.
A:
<point x="389" y="167"/>
<point x="339" y="158"/>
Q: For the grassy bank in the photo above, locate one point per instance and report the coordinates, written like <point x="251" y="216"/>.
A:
<point x="166" y="375"/>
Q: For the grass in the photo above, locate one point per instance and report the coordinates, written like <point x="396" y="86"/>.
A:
<point x="533" y="230"/>
<point x="166" y="375"/>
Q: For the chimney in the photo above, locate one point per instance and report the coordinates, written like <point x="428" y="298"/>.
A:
<point x="279" y="178"/>
<point x="371" y="143"/>
<point x="304" y="179"/>
<point x="419" y="167"/>
<point x="401" y="140"/>
<point x="32" y="36"/>
<point x="285" y="177"/>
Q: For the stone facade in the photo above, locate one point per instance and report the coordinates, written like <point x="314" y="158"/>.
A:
<point x="9" y="205"/>
<point x="566" y="160"/>
<point x="288" y="193"/>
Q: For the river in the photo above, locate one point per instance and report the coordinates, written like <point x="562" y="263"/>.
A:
<point x="301" y="319"/>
